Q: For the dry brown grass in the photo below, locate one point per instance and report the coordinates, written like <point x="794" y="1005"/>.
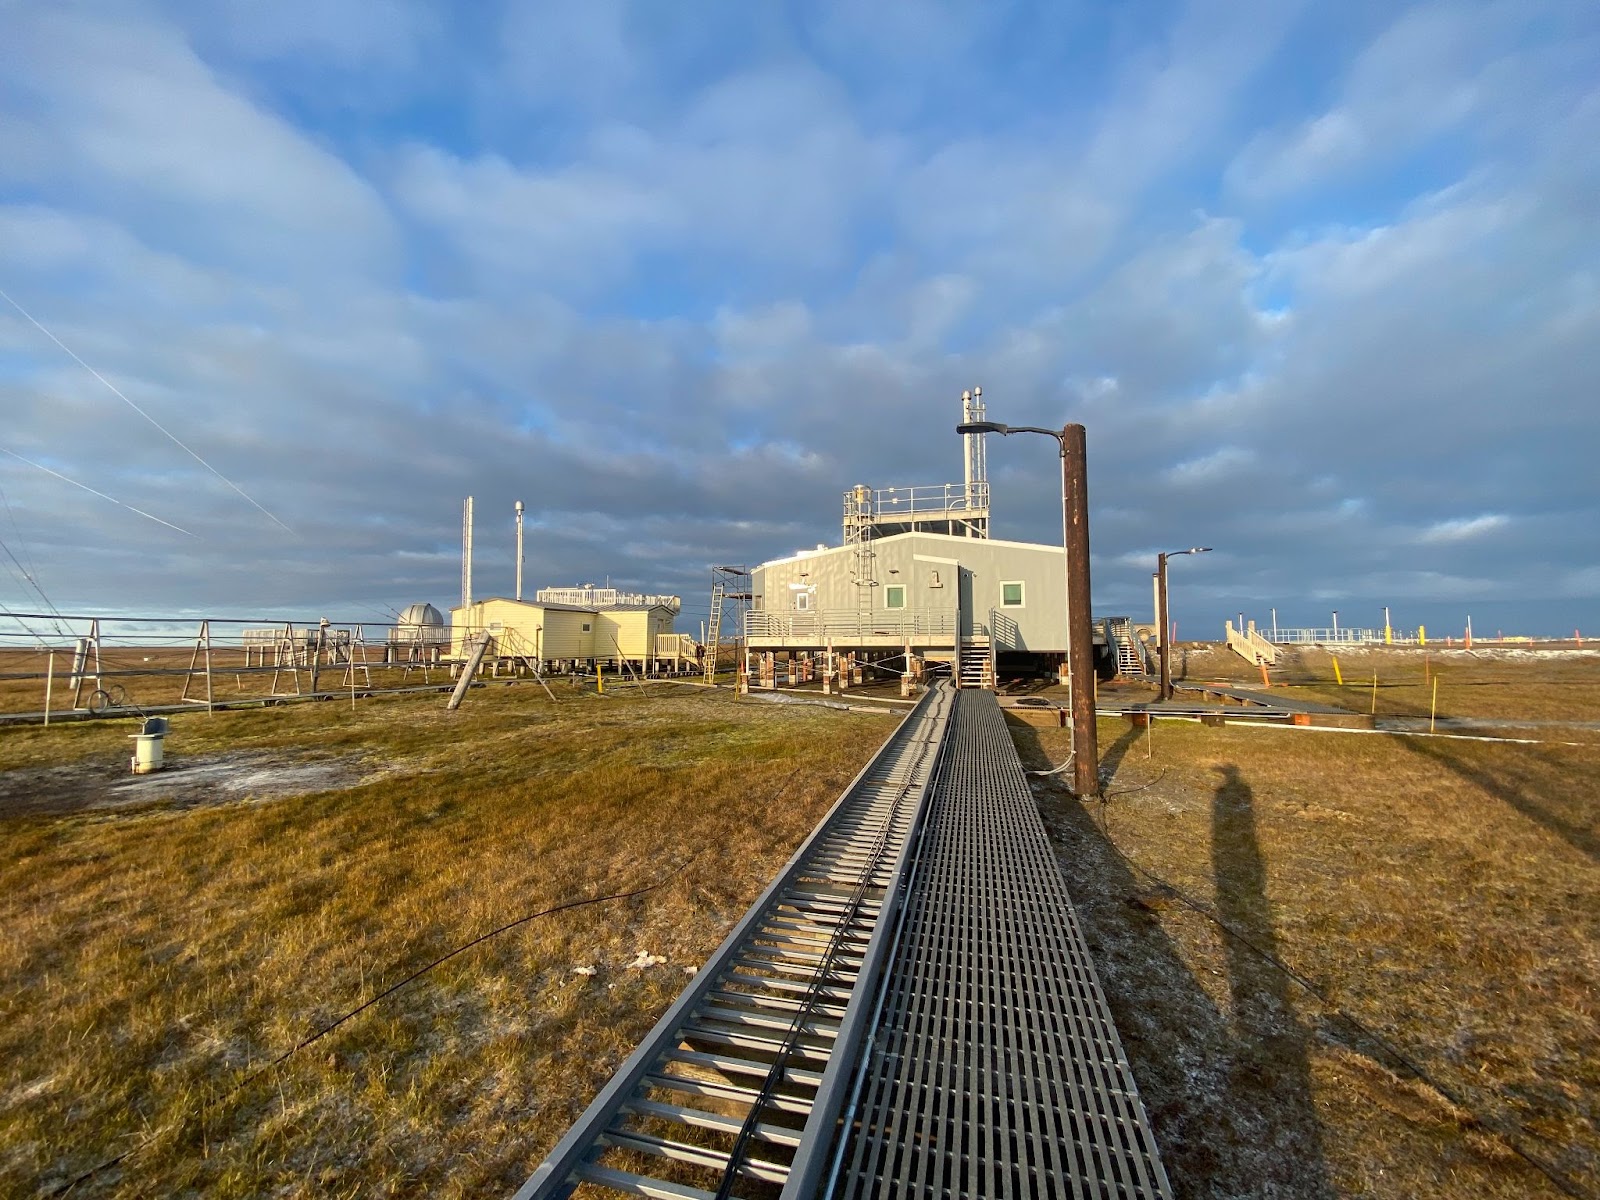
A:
<point x="152" y="957"/>
<point x="1444" y="894"/>
<point x="1519" y="691"/>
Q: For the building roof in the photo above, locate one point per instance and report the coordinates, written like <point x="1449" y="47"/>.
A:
<point x="529" y="604"/>
<point x="952" y="539"/>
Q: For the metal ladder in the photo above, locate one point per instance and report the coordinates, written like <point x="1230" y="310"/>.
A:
<point x="725" y="1091"/>
<point x="719" y="592"/>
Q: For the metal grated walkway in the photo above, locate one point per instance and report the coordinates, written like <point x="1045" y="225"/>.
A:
<point x="908" y="1010"/>
<point x="993" y="1068"/>
<point x="754" y="1057"/>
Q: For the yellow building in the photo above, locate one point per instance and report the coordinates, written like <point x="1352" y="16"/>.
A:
<point x="558" y="635"/>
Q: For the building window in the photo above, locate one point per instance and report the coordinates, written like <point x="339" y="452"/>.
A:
<point x="755" y="602"/>
<point x="1011" y="594"/>
<point x="894" y="596"/>
<point x="586" y="627"/>
<point x="802" y="602"/>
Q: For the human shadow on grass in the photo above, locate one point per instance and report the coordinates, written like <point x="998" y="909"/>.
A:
<point x="1228" y="1093"/>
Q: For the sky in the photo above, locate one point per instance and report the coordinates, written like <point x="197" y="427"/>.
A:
<point x="1320" y="280"/>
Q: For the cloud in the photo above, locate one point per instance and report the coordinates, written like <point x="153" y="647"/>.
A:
<point x="677" y="288"/>
<point x="1462" y="529"/>
<point x="124" y="118"/>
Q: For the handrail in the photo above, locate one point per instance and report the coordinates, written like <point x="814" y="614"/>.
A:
<point x="822" y="624"/>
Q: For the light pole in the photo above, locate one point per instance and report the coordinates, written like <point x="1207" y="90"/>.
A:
<point x="1161" y="592"/>
<point x="1075" y="553"/>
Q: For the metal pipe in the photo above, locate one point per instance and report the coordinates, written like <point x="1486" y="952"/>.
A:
<point x="466" y="554"/>
<point x="519" y="550"/>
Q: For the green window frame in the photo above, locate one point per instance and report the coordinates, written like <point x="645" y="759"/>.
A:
<point x="1012" y="594"/>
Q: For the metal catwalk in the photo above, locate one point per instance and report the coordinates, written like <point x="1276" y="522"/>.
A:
<point x="909" y="1010"/>
<point x="993" y="1068"/>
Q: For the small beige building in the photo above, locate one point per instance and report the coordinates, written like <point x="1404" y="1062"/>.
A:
<point x="557" y="635"/>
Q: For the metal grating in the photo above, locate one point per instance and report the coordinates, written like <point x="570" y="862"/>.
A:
<point x="993" y="1068"/>
<point x="753" y="1060"/>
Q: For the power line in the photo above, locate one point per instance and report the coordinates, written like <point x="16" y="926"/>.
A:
<point x="91" y="490"/>
<point x="118" y="393"/>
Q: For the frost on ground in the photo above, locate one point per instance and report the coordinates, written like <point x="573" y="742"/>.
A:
<point x="187" y="782"/>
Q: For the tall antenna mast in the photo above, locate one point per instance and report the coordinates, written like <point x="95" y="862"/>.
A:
<point x="466" y="554"/>
<point x="519" y="549"/>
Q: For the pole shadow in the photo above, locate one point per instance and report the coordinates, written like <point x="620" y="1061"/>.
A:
<point x="1227" y="1088"/>
<point x="1521" y="781"/>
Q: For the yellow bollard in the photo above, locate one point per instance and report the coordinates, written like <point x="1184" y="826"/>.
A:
<point x="1337" y="674"/>
<point x="600" y="677"/>
<point x="1422" y="635"/>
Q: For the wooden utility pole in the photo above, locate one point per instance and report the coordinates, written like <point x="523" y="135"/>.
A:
<point x="1080" y="643"/>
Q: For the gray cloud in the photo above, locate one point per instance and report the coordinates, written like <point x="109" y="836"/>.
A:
<point x="679" y="330"/>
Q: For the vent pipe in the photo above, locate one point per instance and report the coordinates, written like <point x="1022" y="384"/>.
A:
<point x="519" y="550"/>
<point x="466" y="554"/>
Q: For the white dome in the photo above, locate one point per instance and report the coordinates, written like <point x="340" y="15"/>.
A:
<point x="421" y="614"/>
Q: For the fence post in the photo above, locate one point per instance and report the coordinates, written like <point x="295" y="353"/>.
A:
<point x="49" y="684"/>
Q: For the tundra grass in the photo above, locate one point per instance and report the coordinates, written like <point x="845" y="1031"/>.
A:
<point x="1443" y="895"/>
<point x="154" y="959"/>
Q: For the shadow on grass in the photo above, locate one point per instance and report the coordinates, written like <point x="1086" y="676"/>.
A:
<point x="1228" y="1092"/>
<point x="1535" y="784"/>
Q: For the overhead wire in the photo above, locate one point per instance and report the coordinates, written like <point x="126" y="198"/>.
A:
<point x="123" y="397"/>
<point x="96" y="492"/>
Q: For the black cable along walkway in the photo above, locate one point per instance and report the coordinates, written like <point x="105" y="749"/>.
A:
<point x="959" y="1047"/>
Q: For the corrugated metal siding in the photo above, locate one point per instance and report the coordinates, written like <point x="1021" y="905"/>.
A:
<point x="632" y="632"/>
<point x="913" y="560"/>
<point x="523" y="629"/>
<point x="564" y="636"/>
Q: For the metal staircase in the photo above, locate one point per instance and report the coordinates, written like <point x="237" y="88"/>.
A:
<point x="1130" y="662"/>
<point x="976" y="664"/>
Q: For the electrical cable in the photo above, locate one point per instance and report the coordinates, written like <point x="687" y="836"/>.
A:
<point x="259" y="1071"/>
<point x="1561" y="1182"/>
<point x="96" y="492"/>
<point x="118" y="393"/>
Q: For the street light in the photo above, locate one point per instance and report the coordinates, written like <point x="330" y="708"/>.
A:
<point x="1075" y="555"/>
<point x="1162" y="618"/>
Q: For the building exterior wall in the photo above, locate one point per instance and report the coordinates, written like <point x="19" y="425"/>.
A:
<point x="564" y="635"/>
<point x="522" y="628"/>
<point x="630" y="633"/>
<point x="813" y="597"/>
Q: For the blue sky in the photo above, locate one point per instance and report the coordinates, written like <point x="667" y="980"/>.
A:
<point x="1322" y="281"/>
